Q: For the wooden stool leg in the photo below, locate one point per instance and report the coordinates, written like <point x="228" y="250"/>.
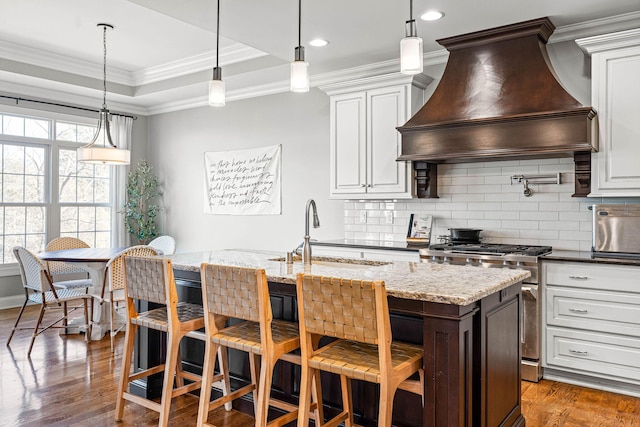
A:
<point x="316" y="395"/>
<point x="179" y="374"/>
<point x="254" y="363"/>
<point x="207" y="376"/>
<point x="387" y="393"/>
<point x="305" y="396"/>
<point x="173" y="348"/>
<point x="129" y="341"/>
<point x="347" y="401"/>
<point x="223" y="360"/>
<point x="264" y="391"/>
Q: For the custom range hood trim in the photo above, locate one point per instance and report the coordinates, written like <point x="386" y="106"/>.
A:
<point x="499" y="99"/>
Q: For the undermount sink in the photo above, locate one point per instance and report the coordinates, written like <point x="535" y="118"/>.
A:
<point x="336" y="262"/>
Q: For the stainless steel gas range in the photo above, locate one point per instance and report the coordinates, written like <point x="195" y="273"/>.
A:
<point x="496" y="255"/>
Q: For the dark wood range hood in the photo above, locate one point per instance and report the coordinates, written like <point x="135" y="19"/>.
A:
<point x="499" y="99"/>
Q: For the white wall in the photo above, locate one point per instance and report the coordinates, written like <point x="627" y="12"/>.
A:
<point x="300" y="122"/>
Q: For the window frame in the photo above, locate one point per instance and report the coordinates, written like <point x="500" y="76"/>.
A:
<point x="52" y="153"/>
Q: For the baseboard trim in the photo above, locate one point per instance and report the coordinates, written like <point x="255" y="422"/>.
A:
<point x="592" y="382"/>
<point x="11" y="301"/>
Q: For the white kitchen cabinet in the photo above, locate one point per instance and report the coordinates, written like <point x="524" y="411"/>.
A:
<point x="592" y="324"/>
<point x="364" y="141"/>
<point x="615" y="67"/>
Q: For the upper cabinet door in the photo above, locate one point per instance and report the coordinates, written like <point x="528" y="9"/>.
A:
<point x="615" y="68"/>
<point x="385" y="112"/>
<point x="348" y="144"/>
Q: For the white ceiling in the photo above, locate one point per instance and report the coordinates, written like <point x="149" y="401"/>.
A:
<point x="161" y="52"/>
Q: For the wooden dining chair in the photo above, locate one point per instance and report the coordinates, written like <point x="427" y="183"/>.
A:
<point x="151" y="279"/>
<point x="356" y="313"/>
<point x="113" y="284"/>
<point x="39" y="289"/>
<point x="60" y="269"/>
<point x="242" y="293"/>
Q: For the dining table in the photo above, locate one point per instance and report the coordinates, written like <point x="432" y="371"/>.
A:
<point x="94" y="261"/>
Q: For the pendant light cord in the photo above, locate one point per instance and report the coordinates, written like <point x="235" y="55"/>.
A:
<point x="217" y="33"/>
<point x="104" y="67"/>
<point x="299" y="22"/>
<point x="411" y="10"/>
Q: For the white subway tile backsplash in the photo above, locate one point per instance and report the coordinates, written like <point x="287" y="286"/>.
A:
<point x="481" y="195"/>
<point x="520" y="225"/>
<point x="495" y="215"/>
<point x="502" y="197"/>
<point x="539" y="234"/>
<point x="485" y="188"/>
<point x="536" y="215"/>
<point x="559" y="225"/>
<point x="467" y="214"/>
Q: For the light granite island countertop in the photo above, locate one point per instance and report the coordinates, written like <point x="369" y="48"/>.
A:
<point x="440" y="283"/>
<point x="467" y="318"/>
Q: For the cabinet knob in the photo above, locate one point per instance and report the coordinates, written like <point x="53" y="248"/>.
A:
<point x="578" y="277"/>
<point x="369" y="185"/>
<point x="578" y="310"/>
<point x="362" y="185"/>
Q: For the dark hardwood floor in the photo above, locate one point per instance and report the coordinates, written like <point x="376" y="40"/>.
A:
<point x="69" y="383"/>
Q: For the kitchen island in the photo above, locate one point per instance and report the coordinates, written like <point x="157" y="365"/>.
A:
<point x="465" y="317"/>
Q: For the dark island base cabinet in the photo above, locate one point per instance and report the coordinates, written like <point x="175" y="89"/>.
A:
<point x="472" y="360"/>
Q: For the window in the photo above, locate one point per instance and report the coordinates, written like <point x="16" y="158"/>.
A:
<point x="45" y="193"/>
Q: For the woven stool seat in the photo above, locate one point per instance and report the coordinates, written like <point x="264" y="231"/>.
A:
<point x="159" y="320"/>
<point x="245" y="336"/>
<point x="361" y="361"/>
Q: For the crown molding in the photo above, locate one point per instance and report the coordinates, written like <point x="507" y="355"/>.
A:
<point x="228" y="55"/>
<point x="605" y="42"/>
<point x="65" y="97"/>
<point x="63" y="63"/>
<point x="594" y="27"/>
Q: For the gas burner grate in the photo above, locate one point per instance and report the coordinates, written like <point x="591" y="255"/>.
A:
<point x="497" y="248"/>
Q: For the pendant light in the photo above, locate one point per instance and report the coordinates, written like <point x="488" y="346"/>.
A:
<point x="299" y="68"/>
<point x="216" y="85"/>
<point x="107" y="153"/>
<point x="411" y="55"/>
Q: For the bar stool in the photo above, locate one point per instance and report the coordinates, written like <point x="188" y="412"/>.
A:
<point x="355" y="312"/>
<point x="151" y="279"/>
<point x="242" y="293"/>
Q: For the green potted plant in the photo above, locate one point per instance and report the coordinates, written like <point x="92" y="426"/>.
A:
<point x="140" y="211"/>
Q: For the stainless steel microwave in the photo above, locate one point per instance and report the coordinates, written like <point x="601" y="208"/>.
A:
<point x="616" y="230"/>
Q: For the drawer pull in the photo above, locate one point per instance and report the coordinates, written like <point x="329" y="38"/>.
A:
<point x="578" y="277"/>
<point x="578" y="310"/>
<point x="578" y="352"/>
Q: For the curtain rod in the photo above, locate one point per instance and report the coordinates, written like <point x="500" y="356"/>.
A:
<point x="18" y="99"/>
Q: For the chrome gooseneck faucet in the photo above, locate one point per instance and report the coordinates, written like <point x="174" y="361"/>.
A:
<point x="306" y="246"/>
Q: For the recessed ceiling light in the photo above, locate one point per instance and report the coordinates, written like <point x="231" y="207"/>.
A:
<point x="318" y="42"/>
<point x="432" y="15"/>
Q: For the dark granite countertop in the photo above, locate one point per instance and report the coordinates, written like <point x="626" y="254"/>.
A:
<point x="585" y="256"/>
<point x="369" y="244"/>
